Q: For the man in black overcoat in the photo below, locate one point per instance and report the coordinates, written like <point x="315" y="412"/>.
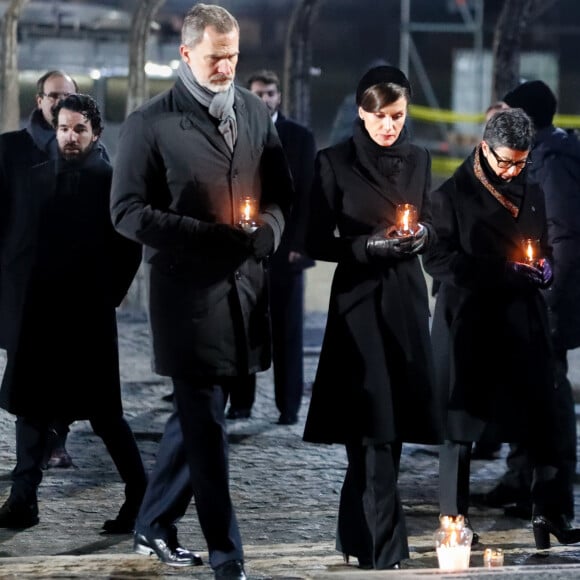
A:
<point x="286" y="267"/>
<point x="35" y="143"/>
<point x="187" y="160"/>
<point x="63" y="271"/>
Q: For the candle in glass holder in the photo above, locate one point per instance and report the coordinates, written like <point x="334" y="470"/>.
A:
<point x="493" y="558"/>
<point x="406" y="219"/>
<point x="248" y="214"/>
<point x="531" y="249"/>
<point x="453" y="543"/>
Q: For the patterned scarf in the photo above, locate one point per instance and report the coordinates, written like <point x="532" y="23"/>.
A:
<point x="220" y="105"/>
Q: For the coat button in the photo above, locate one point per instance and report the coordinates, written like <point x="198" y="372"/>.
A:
<point x="238" y="275"/>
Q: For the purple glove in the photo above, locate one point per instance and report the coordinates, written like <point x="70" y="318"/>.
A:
<point x="522" y="275"/>
<point x="547" y="274"/>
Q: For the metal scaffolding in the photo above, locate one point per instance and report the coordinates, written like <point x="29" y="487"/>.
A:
<point x="470" y="22"/>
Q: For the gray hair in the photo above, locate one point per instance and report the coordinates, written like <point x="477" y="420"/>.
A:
<point x="511" y="128"/>
<point x="200" y="17"/>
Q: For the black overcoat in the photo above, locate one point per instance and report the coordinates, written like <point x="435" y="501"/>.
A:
<point x="300" y="150"/>
<point x="490" y="337"/>
<point x="63" y="270"/>
<point x="555" y="166"/>
<point x="174" y="177"/>
<point x="374" y="380"/>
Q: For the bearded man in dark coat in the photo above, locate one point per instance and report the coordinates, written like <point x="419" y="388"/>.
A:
<point x="63" y="271"/>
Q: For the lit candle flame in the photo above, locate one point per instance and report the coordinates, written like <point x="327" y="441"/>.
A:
<point x="406" y="220"/>
<point x="247" y="211"/>
<point x="530" y="252"/>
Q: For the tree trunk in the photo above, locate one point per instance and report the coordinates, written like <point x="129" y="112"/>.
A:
<point x="9" y="86"/>
<point x="137" y="90"/>
<point x="298" y="60"/>
<point x="512" y="23"/>
<point x="135" y="303"/>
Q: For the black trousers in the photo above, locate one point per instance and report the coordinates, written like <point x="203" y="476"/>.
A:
<point x="192" y="462"/>
<point x="31" y="440"/>
<point x="287" y="314"/>
<point x="287" y="310"/>
<point x="371" y="522"/>
<point x="550" y="491"/>
<point x="519" y="473"/>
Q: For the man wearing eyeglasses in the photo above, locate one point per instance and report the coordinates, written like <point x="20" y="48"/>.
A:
<point x="19" y="151"/>
<point x="490" y="331"/>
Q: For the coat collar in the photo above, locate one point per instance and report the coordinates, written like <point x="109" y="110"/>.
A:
<point x="195" y="115"/>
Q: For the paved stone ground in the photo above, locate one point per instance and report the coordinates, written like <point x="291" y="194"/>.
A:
<point x="285" y="491"/>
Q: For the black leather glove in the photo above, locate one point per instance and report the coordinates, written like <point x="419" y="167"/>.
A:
<point x="385" y="246"/>
<point x="262" y="241"/>
<point x="419" y="241"/>
<point x="226" y="238"/>
<point x="523" y="275"/>
<point x="547" y="273"/>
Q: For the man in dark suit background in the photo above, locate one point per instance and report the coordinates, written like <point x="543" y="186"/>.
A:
<point x="286" y="267"/>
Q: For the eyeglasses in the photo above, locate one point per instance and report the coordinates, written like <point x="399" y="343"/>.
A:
<point x="54" y="96"/>
<point x="507" y="163"/>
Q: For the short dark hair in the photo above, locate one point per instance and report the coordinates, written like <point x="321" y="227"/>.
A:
<point x="511" y="128"/>
<point x="266" y="76"/>
<point x="53" y="73"/>
<point x="83" y="104"/>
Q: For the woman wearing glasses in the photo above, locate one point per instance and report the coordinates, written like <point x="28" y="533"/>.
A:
<point x="490" y="330"/>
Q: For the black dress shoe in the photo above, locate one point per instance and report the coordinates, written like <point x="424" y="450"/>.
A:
<point x="522" y="510"/>
<point x="234" y="414"/>
<point x="500" y="496"/>
<point x="18" y="515"/>
<point x="231" y="570"/>
<point x="119" y="526"/>
<point x="285" y="419"/>
<point x="170" y="552"/>
<point x="124" y="523"/>
<point x="558" y="526"/>
<point x="475" y="537"/>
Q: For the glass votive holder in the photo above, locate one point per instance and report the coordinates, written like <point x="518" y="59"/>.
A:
<point x="492" y="557"/>
<point x="247" y="219"/>
<point x="406" y="219"/>
<point x="453" y="543"/>
<point x="531" y="251"/>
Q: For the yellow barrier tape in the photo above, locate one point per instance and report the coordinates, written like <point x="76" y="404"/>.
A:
<point x="445" y="165"/>
<point x="422" y="113"/>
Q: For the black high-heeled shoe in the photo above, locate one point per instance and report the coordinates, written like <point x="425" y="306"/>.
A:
<point x="558" y="526"/>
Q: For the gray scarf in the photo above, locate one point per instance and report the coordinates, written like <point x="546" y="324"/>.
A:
<point x="220" y="105"/>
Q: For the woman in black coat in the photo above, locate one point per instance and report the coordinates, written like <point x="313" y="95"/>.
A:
<point x="373" y="387"/>
<point x="491" y="339"/>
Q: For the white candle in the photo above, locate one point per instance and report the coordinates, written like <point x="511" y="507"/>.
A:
<point x="453" y="557"/>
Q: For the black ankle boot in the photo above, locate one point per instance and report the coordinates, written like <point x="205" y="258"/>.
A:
<point x="558" y="526"/>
